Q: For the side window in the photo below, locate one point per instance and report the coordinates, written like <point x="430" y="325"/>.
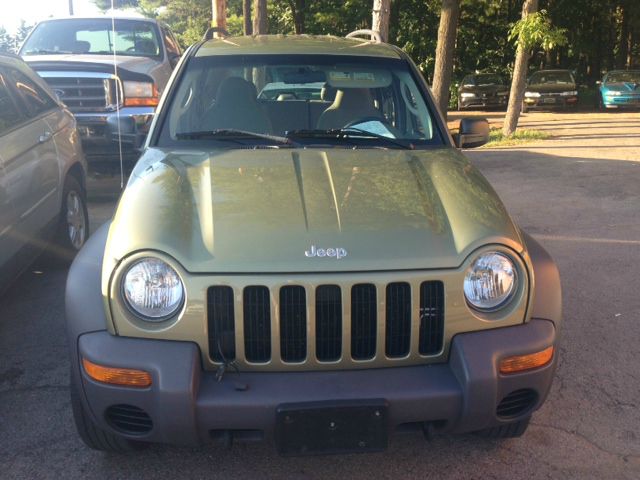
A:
<point x="9" y="114"/>
<point x="173" y="49"/>
<point x="35" y="98"/>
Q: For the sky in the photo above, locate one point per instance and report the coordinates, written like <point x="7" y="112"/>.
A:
<point x="12" y="11"/>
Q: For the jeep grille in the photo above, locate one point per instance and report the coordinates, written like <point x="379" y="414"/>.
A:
<point x="302" y="325"/>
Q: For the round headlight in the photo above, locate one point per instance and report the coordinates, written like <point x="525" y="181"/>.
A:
<point x="153" y="289"/>
<point x="490" y="281"/>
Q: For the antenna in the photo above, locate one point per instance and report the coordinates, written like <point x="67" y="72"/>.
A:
<point x="118" y="85"/>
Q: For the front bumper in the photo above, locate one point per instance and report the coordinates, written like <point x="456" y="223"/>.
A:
<point x="482" y="102"/>
<point x="551" y="101"/>
<point x="188" y="406"/>
<point x="99" y="131"/>
<point x="618" y="101"/>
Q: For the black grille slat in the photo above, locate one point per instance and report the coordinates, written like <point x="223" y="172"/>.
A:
<point x="257" y="324"/>
<point x="293" y="324"/>
<point x="431" y="317"/>
<point x="80" y="94"/>
<point x="364" y="318"/>
<point x="398" y="320"/>
<point x="328" y="323"/>
<point x="222" y="331"/>
<point x="517" y="403"/>
<point x="128" y="419"/>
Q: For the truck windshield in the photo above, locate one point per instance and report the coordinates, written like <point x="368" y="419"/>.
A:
<point x="311" y="99"/>
<point x="93" y="36"/>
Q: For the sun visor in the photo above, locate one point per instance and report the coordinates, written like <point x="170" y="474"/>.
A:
<point x="359" y="78"/>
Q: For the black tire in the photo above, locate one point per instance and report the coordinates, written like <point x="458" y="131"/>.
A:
<point x="73" y="226"/>
<point x="93" y="436"/>
<point x="509" y="430"/>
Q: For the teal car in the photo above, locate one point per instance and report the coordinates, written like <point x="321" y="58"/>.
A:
<point x="620" y="88"/>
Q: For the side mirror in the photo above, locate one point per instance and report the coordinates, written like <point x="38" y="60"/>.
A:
<point x="473" y="132"/>
<point x="173" y="59"/>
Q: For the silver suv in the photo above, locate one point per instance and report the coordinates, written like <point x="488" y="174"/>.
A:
<point x="42" y="171"/>
<point x="109" y="74"/>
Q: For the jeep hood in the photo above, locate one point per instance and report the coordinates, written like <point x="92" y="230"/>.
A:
<point x="260" y="210"/>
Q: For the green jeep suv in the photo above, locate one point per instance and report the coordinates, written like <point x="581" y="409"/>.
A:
<point x="318" y="271"/>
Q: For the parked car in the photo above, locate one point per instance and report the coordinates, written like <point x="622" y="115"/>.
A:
<point x="483" y="90"/>
<point x="620" y="88"/>
<point x="75" y="56"/>
<point x="547" y="89"/>
<point x="42" y="172"/>
<point x="315" y="273"/>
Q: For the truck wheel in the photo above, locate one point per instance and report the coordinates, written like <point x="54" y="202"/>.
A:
<point x="510" y="430"/>
<point x="73" y="227"/>
<point x="93" y="436"/>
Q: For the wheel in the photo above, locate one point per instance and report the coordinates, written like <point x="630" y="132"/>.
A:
<point x="93" y="436"/>
<point x="73" y="227"/>
<point x="509" y="430"/>
<point x="459" y="106"/>
<point x="525" y="109"/>
<point x="601" y="106"/>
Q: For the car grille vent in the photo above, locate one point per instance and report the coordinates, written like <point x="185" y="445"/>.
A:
<point x="364" y="319"/>
<point x="398" y="333"/>
<point x="293" y="324"/>
<point x="257" y="324"/>
<point x="406" y="310"/>
<point x="328" y="323"/>
<point x="128" y="419"/>
<point x="222" y="334"/>
<point x="431" y="317"/>
<point x="517" y="403"/>
<point x="85" y="93"/>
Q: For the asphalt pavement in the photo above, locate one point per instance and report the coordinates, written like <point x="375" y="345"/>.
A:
<point x="578" y="193"/>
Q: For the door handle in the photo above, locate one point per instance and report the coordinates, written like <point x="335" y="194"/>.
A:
<point x="45" y="137"/>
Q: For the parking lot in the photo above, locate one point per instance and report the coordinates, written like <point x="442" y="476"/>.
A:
<point x="578" y="193"/>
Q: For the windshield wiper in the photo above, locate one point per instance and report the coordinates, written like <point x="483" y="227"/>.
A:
<point x="233" y="135"/>
<point x="347" y="132"/>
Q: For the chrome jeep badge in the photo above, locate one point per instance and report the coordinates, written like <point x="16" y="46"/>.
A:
<point x="336" y="253"/>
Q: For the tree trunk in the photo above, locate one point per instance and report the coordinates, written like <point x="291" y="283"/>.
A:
<point x="444" y="53"/>
<point x="516" y="96"/>
<point x="623" y="44"/>
<point x="219" y="14"/>
<point x="260" y="20"/>
<point x="246" y="17"/>
<point x="298" y="8"/>
<point x="380" y="18"/>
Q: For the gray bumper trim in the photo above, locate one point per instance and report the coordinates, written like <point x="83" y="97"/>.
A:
<point x="186" y="403"/>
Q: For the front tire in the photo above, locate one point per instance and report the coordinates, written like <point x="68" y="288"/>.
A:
<point x="93" y="436"/>
<point x="73" y="226"/>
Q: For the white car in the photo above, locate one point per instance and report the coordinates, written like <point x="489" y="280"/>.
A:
<point x="42" y="172"/>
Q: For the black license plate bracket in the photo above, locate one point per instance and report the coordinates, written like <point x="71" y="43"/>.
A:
<point x="336" y="427"/>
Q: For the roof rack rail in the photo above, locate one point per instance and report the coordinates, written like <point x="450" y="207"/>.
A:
<point x="208" y="35"/>
<point x="374" y="35"/>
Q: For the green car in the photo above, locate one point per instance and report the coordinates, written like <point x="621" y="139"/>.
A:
<point x="316" y="273"/>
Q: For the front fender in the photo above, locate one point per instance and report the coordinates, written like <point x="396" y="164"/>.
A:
<point x="547" y="303"/>
<point x="83" y="297"/>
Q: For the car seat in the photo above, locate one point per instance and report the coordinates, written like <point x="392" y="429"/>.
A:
<point x="350" y="104"/>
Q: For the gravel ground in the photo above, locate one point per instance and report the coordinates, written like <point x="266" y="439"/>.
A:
<point x="578" y="193"/>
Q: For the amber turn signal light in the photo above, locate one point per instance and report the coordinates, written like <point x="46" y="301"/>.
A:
<point x="520" y="363"/>
<point x="125" y="377"/>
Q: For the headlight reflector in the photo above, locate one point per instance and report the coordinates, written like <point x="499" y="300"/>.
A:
<point x="572" y="93"/>
<point x="153" y="289"/>
<point x="532" y="94"/>
<point x="467" y="95"/>
<point x="490" y="281"/>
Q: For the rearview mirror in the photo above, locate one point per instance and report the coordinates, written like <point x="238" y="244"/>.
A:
<point x="473" y="132"/>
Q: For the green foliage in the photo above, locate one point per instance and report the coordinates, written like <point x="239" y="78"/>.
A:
<point x="6" y="41"/>
<point x="536" y="30"/>
<point x="11" y="43"/>
<point x="498" y="139"/>
<point x="105" y="5"/>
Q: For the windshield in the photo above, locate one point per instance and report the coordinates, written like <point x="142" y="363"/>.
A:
<point x="350" y="101"/>
<point x="94" y="36"/>
<point x="620" y="77"/>
<point x="551" y="78"/>
<point x="483" y="79"/>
